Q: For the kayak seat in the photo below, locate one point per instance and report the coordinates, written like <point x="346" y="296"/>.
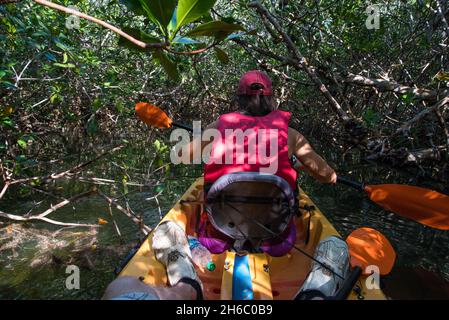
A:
<point x="250" y="207"/>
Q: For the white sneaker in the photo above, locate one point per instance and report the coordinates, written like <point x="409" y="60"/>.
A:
<point x="321" y="282"/>
<point x="171" y="248"/>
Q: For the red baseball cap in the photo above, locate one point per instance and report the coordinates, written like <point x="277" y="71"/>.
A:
<point x="255" y="82"/>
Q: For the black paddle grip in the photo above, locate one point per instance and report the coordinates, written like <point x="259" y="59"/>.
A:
<point x="349" y="283"/>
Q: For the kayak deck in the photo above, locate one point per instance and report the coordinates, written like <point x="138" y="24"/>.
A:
<point x="286" y="274"/>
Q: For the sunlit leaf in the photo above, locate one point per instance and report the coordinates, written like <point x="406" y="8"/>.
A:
<point x="102" y="221"/>
<point x="442" y="76"/>
<point x="54" y="97"/>
<point x="191" y="10"/>
<point x="22" y="143"/>
<point x="7" y="122"/>
<point x="6" y="111"/>
<point x="159" y="11"/>
<point x="64" y="65"/>
<point x="157" y="144"/>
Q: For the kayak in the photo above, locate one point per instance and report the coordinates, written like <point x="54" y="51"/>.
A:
<point x="273" y="278"/>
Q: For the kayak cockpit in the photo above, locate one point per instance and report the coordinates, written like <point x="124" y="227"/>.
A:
<point x="271" y="277"/>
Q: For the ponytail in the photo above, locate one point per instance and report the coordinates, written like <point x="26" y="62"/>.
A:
<point x="256" y="105"/>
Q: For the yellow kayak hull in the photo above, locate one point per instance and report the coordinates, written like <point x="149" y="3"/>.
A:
<point x="273" y="278"/>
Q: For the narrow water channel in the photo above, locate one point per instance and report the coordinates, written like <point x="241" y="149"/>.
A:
<point x="34" y="256"/>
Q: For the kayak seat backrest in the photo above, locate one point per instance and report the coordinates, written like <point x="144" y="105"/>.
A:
<point x="250" y="207"/>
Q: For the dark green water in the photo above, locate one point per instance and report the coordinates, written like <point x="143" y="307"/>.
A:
<point x="31" y="270"/>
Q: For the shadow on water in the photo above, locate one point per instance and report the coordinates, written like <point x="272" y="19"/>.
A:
<point x="421" y="271"/>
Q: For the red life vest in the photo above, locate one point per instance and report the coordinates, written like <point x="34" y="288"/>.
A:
<point x="257" y="145"/>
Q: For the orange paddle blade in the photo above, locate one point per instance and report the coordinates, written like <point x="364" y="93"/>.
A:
<point x="153" y="116"/>
<point x="369" y="247"/>
<point x="425" y="206"/>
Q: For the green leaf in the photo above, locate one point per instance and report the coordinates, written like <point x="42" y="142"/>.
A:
<point x="50" y="56"/>
<point x="214" y="28"/>
<point x="221" y="55"/>
<point x="159" y="11"/>
<point x="6" y="111"/>
<point x="172" y="25"/>
<point x="92" y="126"/>
<point x="61" y="45"/>
<point x="22" y="143"/>
<point x="442" y="76"/>
<point x="169" y="66"/>
<point x="7" y="122"/>
<point x="241" y="34"/>
<point x="157" y="145"/>
<point x="120" y="106"/>
<point x="407" y="98"/>
<point x="96" y="104"/>
<point x="64" y="65"/>
<point x="65" y="58"/>
<point x="148" y="38"/>
<point x="10" y="27"/>
<point x="159" y="188"/>
<point x="191" y="10"/>
<point x="54" y="97"/>
<point x="134" y="6"/>
<point x="371" y="117"/>
<point x="21" y="158"/>
<point x="185" y="40"/>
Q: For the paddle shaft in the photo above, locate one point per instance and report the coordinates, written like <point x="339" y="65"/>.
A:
<point x="182" y="126"/>
<point x="353" y="184"/>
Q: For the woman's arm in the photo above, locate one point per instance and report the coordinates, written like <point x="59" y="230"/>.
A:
<point x="309" y="160"/>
